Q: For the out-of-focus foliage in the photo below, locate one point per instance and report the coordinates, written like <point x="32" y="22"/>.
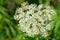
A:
<point x="8" y="26"/>
<point x="19" y="1"/>
<point x="2" y="2"/>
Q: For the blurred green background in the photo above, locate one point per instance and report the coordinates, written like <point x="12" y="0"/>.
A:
<point x="8" y="26"/>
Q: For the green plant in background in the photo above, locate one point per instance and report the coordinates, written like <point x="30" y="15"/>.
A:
<point x="8" y="26"/>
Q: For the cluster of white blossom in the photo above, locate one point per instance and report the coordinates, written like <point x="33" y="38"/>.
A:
<point x="34" y="20"/>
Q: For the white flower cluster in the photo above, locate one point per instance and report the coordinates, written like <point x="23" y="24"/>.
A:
<point x="34" y="20"/>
